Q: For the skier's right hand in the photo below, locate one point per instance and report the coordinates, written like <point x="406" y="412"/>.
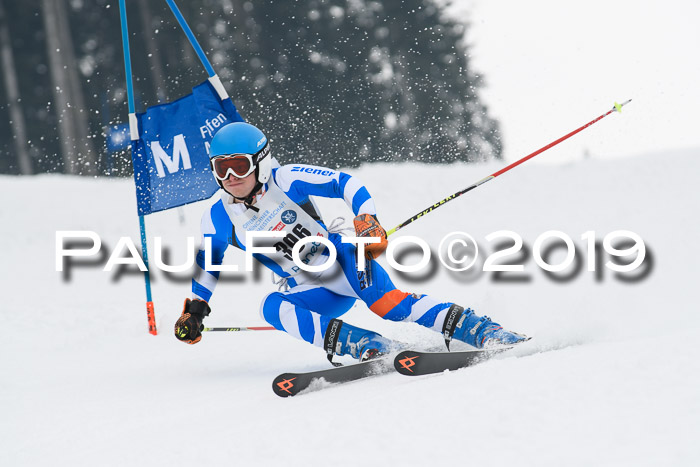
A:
<point x="189" y="327"/>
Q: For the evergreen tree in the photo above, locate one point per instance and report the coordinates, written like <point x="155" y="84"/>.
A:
<point x="346" y="82"/>
<point x="333" y="82"/>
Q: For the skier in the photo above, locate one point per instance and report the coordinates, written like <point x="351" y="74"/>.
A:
<point x="259" y="197"/>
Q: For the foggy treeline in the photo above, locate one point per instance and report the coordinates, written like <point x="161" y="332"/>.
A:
<point x="334" y="83"/>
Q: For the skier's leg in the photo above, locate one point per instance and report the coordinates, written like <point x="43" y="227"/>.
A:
<point x="375" y="288"/>
<point x="450" y="319"/>
<point x="292" y="313"/>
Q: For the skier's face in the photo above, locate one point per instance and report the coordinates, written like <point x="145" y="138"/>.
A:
<point x="239" y="187"/>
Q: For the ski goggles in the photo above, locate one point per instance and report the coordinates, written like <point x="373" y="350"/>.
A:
<point x="238" y="165"/>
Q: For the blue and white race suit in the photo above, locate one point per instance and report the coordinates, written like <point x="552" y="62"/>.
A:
<point x="313" y="299"/>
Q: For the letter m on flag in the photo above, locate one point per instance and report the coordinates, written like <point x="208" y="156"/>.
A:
<point x="171" y="156"/>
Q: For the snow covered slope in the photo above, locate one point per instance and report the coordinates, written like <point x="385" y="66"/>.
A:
<point x="610" y="378"/>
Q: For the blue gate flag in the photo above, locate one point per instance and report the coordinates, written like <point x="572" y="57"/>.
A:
<point x="171" y="156"/>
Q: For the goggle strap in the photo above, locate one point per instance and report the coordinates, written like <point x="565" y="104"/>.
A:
<point x="260" y="155"/>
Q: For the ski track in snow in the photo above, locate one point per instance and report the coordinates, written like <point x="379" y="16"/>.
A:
<point x="610" y="377"/>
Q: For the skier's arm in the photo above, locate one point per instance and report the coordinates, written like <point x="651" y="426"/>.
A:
<point x="301" y="181"/>
<point x="203" y="281"/>
<point x="188" y="327"/>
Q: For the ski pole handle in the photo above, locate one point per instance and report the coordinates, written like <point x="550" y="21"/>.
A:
<point x="250" y="328"/>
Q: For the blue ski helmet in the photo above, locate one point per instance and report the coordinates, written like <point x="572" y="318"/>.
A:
<point x="244" y="138"/>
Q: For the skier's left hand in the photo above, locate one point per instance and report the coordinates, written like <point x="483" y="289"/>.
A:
<point x="366" y="225"/>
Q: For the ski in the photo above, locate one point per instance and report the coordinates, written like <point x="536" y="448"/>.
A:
<point x="291" y="384"/>
<point x="412" y="363"/>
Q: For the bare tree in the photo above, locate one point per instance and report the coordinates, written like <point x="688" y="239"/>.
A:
<point x="83" y="144"/>
<point x="13" y="97"/>
<point x="153" y="54"/>
<point x="61" y="88"/>
<point x="76" y="145"/>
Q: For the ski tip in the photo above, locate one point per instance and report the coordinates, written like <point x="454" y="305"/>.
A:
<point x="284" y="385"/>
<point x="405" y="361"/>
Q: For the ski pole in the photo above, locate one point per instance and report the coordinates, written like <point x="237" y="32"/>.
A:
<point x="251" y="328"/>
<point x="617" y="107"/>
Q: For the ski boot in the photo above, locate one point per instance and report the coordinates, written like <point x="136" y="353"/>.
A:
<point x="477" y="331"/>
<point x="343" y="339"/>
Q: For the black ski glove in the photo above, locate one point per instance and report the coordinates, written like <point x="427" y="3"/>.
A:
<point x="189" y="327"/>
